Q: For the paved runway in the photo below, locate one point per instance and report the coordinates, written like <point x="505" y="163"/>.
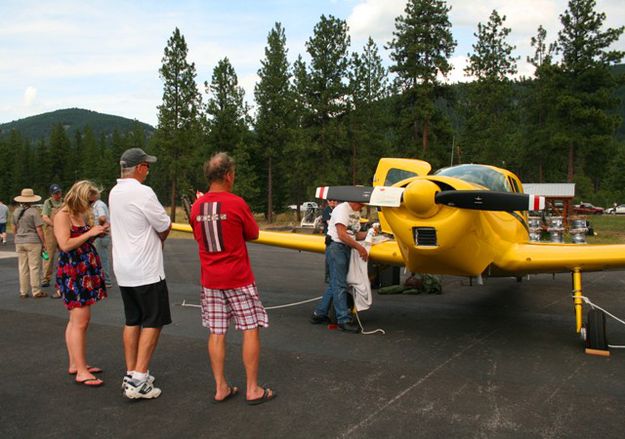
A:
<point x="496" y="361"/>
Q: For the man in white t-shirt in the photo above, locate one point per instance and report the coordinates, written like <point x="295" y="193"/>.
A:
<point x="139" y="226"/>
<point x="343" y="230"/>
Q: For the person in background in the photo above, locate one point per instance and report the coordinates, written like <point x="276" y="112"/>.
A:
<point x="103" y="242"/>
<point x="139" y="227"/>
<point x="29" y="243"/>
<point x="344" y="230"/>
<point x="4" y="217"/>
<point x="79" y="275"/>
<point x="325" y="220"/>
<point x="50" y="208"/>
<point x="222" y="223"/>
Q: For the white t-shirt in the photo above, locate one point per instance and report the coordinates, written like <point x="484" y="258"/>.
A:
<point x="344" y="214"/>
<point x="136" y="217"/>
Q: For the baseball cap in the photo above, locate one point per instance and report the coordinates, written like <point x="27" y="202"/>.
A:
<point x="54" y="188"/>
<point x="133" y="156"/>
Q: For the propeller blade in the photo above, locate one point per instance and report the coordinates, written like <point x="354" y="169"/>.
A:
<point x="490" y="200"/>
<point x="382" y="196"/>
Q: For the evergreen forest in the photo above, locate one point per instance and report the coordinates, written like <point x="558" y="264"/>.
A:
<point x="328" y="116"/>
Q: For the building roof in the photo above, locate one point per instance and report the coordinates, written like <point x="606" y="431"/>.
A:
<point x="553" y="190"/>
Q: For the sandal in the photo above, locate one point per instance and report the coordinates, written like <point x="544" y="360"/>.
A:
<point x="91" y="382"/>
<point x="90" y="369"/>
<point x="234" y="391"/>
<point x="266" y="397"/>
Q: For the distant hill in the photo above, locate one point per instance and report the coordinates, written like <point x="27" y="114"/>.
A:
<point x="40" y="126"/>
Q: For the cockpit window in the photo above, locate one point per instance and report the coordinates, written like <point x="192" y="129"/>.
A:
<point x="394" y="175"/>
<point x="478" y="174"/>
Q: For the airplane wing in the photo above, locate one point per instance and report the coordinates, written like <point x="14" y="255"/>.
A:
<point x="550" y="257"/>
<point x="386" y="252"/>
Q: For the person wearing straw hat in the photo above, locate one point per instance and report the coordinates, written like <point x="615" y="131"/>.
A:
<point x="29" y="243"/>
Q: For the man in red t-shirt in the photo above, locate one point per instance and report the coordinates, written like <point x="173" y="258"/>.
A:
<point x="222" y="222"/>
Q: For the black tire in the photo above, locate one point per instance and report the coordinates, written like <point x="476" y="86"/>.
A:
<point x="595" y="330"/>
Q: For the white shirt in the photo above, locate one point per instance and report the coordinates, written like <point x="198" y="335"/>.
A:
<point x="344" y="214"/>
<point x="136" y="217"/>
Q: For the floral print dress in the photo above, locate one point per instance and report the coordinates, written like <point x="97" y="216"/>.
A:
<point x="79" y="277"/>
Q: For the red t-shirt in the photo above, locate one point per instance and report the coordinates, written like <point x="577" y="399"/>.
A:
<point x="222" y="222"/>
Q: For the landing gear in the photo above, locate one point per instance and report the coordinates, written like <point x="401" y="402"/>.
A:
<point x="595" y="331"/>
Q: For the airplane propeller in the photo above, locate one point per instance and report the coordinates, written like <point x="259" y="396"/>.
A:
<point x="385" y="196"/>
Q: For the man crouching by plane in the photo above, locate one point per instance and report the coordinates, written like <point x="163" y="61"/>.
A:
<point x="344" y="229"/>
<point x="221" y="223"/>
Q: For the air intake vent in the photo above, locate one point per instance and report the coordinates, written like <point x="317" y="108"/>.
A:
<point x="424" y="236"/>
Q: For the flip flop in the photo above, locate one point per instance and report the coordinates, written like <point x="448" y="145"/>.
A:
<point x="266" y="397"/>
<point x="90" y="369"/>
<point x="97" y="382"/>
<point x="234" y="391"/>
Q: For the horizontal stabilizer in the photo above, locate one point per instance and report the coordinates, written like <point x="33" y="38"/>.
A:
<point x="490" y="200"/>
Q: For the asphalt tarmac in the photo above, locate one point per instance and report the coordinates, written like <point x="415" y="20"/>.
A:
<point x="496" y="361"/>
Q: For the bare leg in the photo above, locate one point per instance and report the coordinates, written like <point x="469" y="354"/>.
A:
<point x="68" y="331"/>
<point x="147" y="345"/>
<point x="131" y="345"/>
<point x="251" y="355"/>
<point x="217" y="355"/>
<point x="79" y="322"/>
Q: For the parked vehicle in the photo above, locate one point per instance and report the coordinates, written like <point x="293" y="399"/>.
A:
<point x="620" y="210"/>
<point x="587" y="209"/>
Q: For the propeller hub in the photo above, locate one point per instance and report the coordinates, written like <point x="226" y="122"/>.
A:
<point x="419" y="198"/>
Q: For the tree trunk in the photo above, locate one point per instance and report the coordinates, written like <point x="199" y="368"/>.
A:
<point x="172" y="214"/>
<point x="571" y="164"/>
<point x="353" y="162"/>
<point x="269" y="193"/>
<point x="426" y="137"/>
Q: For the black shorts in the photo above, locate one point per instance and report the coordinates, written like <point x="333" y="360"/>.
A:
<point x="147" y="305"/>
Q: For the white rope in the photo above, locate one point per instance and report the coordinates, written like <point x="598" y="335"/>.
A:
<point x="587" y="300"/>
<point x="192" y="305"/>
<point x="362" y="329"/>
<point x="294" y="303"/>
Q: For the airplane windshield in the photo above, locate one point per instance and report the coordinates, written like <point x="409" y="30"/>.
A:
<point x="478" y="174"/>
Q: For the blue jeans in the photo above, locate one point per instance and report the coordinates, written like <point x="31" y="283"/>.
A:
<point x="337" y="256"/>
<point x="102" y="245"/>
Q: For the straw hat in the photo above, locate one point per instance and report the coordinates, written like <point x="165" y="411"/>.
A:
<point x="27" y="196"/>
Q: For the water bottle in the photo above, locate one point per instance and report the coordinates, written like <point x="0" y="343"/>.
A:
<point x="44" y="255"/>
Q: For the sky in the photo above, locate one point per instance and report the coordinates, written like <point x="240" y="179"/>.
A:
<point x="105" y="55"/>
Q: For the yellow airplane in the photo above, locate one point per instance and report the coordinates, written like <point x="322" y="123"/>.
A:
<point x="465" y="220"/>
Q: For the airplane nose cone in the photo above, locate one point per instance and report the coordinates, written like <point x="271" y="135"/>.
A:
<point x="419" y="198"/>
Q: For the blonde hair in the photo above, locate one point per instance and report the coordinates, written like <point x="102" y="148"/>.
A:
<point x="77" y="199"/>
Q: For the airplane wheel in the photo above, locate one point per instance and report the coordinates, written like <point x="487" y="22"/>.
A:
<point x="595" y="330"/>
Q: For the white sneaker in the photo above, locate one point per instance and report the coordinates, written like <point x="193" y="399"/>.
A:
<point x="143" y="390"/>
<point x="128" y="378"/>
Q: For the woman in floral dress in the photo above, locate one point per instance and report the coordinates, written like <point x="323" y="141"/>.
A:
<point x="79" y="277"/>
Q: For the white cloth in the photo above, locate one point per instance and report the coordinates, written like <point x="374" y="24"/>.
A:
<point x="358" y="279"/>
<point x="100" y="209"/>
<point x="136" y="217"/>
<point x="344" y="214"/>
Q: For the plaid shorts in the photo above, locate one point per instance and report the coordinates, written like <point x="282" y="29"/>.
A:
<point x="219" y="306"/>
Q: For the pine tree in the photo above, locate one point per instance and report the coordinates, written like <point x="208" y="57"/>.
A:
<point x="421" y="46"/>
<point x="274" y="115"/>
<point x="368" y="86"/>
<point x="228" y="127"/>
<point x="586" y="100"/>
<point x="538" y="111"/>
<point x="327" y="91"/>
<point x="62" y="164"/>
<point x="491" y="132"/>
<point x="178" y="128"/>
